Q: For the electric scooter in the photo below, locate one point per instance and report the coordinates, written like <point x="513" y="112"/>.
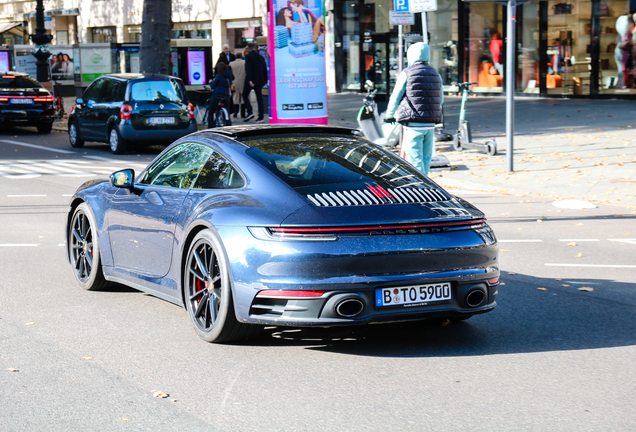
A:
<point x="463" y="138"/>
<point x="387" y="135"/>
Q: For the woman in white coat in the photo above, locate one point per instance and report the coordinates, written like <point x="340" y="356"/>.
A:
<point x="238" y="70"/>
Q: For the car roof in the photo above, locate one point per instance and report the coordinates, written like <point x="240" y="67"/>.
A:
<point x="132" y="76"/>
<point x="14" y="73"/>
<point x="249" y="131"/>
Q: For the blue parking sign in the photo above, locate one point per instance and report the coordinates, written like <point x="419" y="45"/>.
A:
<point x="401" y="5"/>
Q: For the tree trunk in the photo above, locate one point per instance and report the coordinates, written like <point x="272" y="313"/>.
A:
<point x="156" y="29"/>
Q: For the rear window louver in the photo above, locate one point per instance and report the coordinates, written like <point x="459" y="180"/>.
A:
<point x="363" y="197"/>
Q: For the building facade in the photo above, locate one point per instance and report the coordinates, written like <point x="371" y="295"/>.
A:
<point x="583" y="48"/>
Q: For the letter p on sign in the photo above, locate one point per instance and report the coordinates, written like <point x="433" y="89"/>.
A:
<point x="401" y="5"/>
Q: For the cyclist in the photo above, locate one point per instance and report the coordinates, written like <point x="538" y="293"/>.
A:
<point x="221" y="91"/>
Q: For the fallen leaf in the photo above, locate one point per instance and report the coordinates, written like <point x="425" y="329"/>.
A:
<point x="578" y="255"/>
<point x="557" y="279"/>
<point x="539" y="220"/>
<point x="160" y="394"/>
<point x="588" y="289"/>
<point x="87" y="358"/>
<point x="12" y="370"/>
<point x="503" y="250"/>
<point x="512" y="273"/>
<point x="124" y="420"/>
<point x="580" y="224"/>
<point x="541" y="289"/>
<point x="565" y="285"/>
<point x="31" y="323"/>
<point x="571" y="244"/>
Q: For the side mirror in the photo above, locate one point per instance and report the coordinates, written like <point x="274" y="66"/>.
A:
<point x="123" y="179"/>
<point x="79" y="101"/>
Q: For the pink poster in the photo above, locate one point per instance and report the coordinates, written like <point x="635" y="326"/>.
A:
<point x="196" y="67"/>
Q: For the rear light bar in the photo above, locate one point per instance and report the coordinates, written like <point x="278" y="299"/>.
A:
<point x="191" y="111"/>
<point x="125" y="111"/>
<point x="44" y="99"/>
<point x="35" y="98"/>
<point x="289" y="294"/>
<point x="407" y="228"/>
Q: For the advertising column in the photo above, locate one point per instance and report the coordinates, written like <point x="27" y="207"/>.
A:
<point x="196" y="67"/>
<point x="296" y="46"/>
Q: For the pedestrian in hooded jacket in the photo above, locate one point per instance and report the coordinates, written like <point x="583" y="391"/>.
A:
<point x="416" y="103"/>
<point x="220" y="91"/>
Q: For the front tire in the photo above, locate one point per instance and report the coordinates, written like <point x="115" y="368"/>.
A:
<point x="457" y="142"/>
<point x="491" y="148"/>
<point x="74" y="136"/>
<point x="208" y="292"/>
<point x="45" y="128"/>
<point x="83" y="249"/>
<point x="117" y="143"/>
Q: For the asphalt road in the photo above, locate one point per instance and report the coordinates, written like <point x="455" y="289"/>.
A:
<point x="550" y="357"/>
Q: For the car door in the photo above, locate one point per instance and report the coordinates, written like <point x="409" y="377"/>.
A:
<point x="142" y="222"/>
<point x="107" y="105"/>
<point x="87" y="115"/>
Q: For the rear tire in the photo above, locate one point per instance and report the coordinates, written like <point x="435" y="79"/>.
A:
<point x="74" y="136"/>
<point x="208" y="292"/>
<point x="45" y="128"/>
<point x="117" y="143"/>
<point x="457" y="143"/>
<point x="491" y="148"/>
<point x="83" y="250"/>
<point x="220" y="118"/>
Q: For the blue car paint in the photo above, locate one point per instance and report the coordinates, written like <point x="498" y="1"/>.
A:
<point x="350" y="264"/>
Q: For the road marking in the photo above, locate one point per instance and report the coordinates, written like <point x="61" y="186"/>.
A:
<point x="17" y="245"/>
<point x="62" y="244"/>
<point x="631" y="241"/>
<point x="65" y="168"/>
<point x="520" y="241"/>
<point x="578" y="240"/>
<point x="67" y="195"/>
<point x="37" y="147"/>
<point x="118" y="161"/>
<point x="591" y="265"/>
<point x="20" y="176"/>
<point x="24" y="196"/>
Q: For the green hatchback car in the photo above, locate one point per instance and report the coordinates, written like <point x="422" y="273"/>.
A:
<point x="126" y="109"/>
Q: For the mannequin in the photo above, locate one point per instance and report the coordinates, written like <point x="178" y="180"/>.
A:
<point x="622" y="52"/>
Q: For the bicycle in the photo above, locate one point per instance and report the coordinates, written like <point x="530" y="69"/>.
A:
<point x="221" y="115"/>
<point x="58" y="103"/>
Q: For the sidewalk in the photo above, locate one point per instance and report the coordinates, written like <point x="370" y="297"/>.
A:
<point x="563" y="149"/>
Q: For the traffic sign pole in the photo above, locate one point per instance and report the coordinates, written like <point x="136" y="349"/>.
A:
<point x="510" y="84"/>
<point x="424" y="28"/>
<point x="401" y="47"/>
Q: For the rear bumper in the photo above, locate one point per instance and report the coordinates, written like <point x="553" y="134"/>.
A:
<point x="27" y="117"/>
<point x="129" y="133"/>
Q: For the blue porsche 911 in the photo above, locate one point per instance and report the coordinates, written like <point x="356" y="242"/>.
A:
<point x="285" y="226"/>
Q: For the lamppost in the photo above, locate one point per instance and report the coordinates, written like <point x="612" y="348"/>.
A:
<point x="41" y="39"/>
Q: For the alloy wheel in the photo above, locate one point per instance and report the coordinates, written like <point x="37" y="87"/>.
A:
<point x="72" y="134"/>
<point x="82" y="251"/>
<point x="114" y="140"/>
<point x="204" y="285"/>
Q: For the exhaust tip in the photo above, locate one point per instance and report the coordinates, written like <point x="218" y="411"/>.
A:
<point x="349" y="308"/>
<point x="475" y="298"/>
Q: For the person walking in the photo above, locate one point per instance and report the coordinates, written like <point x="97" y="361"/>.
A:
<point x="225" y="57"/>
<point x="255" y="79"/>
<point x="221" y="91"/>
<point x="238" y="70"/>
<point x="416" y="103"/>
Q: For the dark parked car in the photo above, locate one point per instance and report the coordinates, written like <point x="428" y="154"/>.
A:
<point x="24" y="102"/>
<point x="284" y="225"/>
<point x="131" y="108"/>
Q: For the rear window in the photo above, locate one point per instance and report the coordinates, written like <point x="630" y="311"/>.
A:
<point x="9" y="81"/>
<point x="304" y="160"/>
<point x="159" y="91"/>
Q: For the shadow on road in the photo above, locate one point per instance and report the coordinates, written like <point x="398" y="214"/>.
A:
<point x="526" y="320"/>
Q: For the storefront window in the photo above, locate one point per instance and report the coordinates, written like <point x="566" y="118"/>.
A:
<point x="442" y="26"/>
<point x="528" y="45"/>
<point x="351" y="45"/>
<point x="616" y="68"/>
<point x="104" y="34"/>
<point x="486" y="47"/>
<point x="569" y="47"/>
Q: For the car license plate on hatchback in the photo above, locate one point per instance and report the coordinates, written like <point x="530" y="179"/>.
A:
<point x="22" y="101"/>
<point x="413" y="295"/>
<point x="161" y="120"/>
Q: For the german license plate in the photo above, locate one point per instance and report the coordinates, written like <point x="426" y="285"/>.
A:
<point x="22" y="101"/>
<point x="161" y="120"/>
<point x="416" y="295"/>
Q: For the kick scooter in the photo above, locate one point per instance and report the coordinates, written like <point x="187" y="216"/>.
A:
<point x="463" y="138"/>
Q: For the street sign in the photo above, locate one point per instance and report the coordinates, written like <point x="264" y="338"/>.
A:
<point x="423" y="5"/>
<point x="402" y="18"/>
<point x="401" y="5"/>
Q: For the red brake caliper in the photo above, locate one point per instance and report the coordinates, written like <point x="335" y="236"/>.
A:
<point x="199" y="286"/>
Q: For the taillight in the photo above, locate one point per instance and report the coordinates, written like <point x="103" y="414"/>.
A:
<point x="191" y="111"/>
<point x="125" y="112"/>
<point x="494" y="280"/>
<point x="43" y="99"/>
<point x="72" y="109"/>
